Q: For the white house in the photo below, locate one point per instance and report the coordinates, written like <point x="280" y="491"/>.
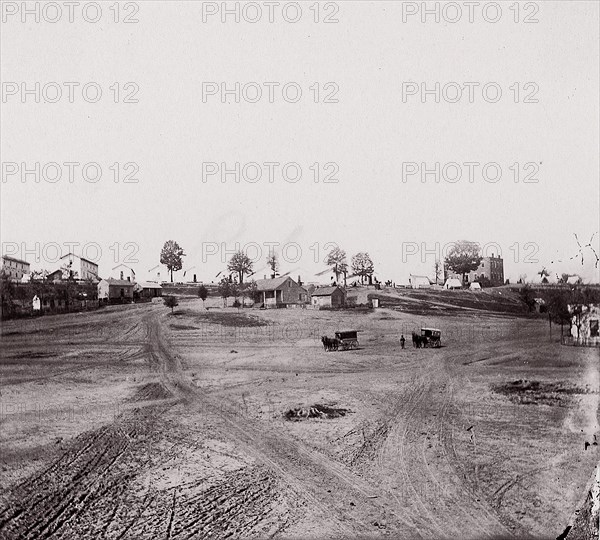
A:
<point x="78" y="268"/>
<point x="475" y="286"/>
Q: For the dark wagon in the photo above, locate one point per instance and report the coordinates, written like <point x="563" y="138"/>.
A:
<point x="347" y="339"/>
<point x="431" y="337"/>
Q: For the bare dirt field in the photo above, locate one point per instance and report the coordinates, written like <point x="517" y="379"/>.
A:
<point x="132" y="422"/>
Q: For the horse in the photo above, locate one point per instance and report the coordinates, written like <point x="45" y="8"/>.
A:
<point x="329" y="344"/>
<point x="416" y="339"/>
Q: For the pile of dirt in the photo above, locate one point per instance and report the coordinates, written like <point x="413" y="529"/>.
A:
<point x="526" y="392"/>
<point x="315" y="411"/>
<point x="152" y="391"/>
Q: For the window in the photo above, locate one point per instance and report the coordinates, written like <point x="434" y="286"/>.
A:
<point x="594" y="328"/>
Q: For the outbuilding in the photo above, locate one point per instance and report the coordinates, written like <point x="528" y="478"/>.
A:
<point x="324" y="297"/>
<point x="147" y="289"/>
<point x="475" y="286"/>
<point x="115" y="291"/>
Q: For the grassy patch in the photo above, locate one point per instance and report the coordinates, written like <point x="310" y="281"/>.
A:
<point x="526" y="392"/>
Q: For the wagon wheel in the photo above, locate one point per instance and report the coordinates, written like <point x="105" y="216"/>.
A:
<point x="354" y="344"/>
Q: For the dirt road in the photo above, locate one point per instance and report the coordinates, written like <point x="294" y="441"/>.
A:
<point x="196" y="444"/>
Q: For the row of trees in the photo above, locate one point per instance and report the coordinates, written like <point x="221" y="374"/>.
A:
<point x="242" y="266"/>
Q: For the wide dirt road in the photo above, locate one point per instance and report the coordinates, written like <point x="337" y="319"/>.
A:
<point x="132" y="423"/>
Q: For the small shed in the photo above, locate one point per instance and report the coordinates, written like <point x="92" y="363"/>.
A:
<point x="453" y="283"/>
<point x="475" y="286"/>
<point x="324" y="297"/>
<point x="36" y="303"/>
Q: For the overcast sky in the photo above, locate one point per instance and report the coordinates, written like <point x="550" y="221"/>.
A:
<point x="372" y="130"/>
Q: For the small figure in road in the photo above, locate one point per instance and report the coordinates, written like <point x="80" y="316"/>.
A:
<point x="402" y="341"/>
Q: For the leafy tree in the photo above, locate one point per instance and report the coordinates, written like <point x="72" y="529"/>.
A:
<point x="273" y="263"/>
<point x="527" y="297"/>
<point x="249" y="290"/>
<point x="171" y="256"/>
<point x="558" y="307"/>
<point x="171" y="301"/>
<point x="463" y="257"/>
<point x="7" y="293"/>
<point x="241" y="264"/>
<point x="202" y="293"/>
<point x="336" y="259"/>
<point x="224" y="289"/>
<point x="362" y="266"/>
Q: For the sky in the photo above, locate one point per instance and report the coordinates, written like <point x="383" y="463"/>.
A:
<point x="368" y="121"/>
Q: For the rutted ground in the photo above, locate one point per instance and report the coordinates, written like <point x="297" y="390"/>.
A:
<point x="190" y="437"/>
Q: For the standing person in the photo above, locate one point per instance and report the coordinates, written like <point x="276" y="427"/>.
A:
<point x="402" y="341"/>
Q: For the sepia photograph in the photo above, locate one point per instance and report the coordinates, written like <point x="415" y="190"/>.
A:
<point x="300" y="269"/>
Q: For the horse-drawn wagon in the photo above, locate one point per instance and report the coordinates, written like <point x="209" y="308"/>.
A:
<point x="343" y="340"/>
<point x="430" y="337"/>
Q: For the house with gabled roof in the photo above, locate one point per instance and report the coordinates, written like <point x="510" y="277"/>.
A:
<point x="280" y="292"/>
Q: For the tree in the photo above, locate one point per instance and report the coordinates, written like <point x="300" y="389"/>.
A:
<point x="336" y="259"/>
<point x="224" y="289"/>
<point x="527" y="297"/>
<point x="558" y="308"/>
<point x="171" y="301"/>
<point x="202" y="293"/>
<point x="463" y="257"/>
<point x="234" y="290"/>
<point x="362" y="266"/>
<point x="438" y="270"/>
<point x="543" y="273"/>
<point x="249" y="290"/>
<point x="240" y="263"/>
<point x="273" y="263"/>
<point x="172" y="257"/>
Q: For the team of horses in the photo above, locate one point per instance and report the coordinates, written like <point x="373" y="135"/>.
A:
<point x="330" y="344"/>
<point x="420" y="342"/>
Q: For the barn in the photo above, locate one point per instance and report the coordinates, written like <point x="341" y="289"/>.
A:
<point x="280" y="292"/>
<point x="325" y="297"/>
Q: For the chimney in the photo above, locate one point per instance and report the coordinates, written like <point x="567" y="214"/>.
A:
<point x="265" y="276"/>
<point x="299" y="280"/>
